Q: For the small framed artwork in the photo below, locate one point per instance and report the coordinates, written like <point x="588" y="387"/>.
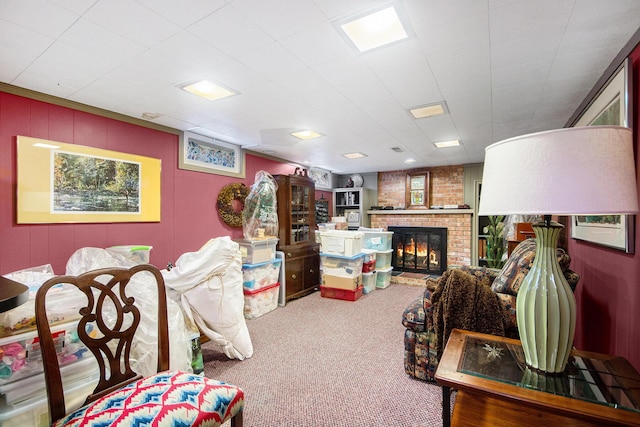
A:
<point x="417" y="190"/>
<point x="610" y="106"/>
<point x="204" y="154"/>
<point x="321" y="177"/>
<point x="68" y="183"/>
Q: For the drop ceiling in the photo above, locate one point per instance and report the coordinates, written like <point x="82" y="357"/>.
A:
<point x="503" y="67"/>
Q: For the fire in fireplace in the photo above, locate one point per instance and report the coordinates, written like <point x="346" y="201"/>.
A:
<point x="419" y="249"/>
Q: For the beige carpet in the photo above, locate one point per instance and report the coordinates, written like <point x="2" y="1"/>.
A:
<point x="325" y="362"/>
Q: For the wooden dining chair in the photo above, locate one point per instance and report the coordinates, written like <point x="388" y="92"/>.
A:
<point x="107" y="327"/>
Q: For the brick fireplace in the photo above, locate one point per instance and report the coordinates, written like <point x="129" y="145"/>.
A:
<point x="446" y="187"/>
<point x="419" y="249"/>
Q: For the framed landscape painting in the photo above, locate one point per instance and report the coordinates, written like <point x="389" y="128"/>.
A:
<point x="68" y="183"/>
<point x="611" y="106"/>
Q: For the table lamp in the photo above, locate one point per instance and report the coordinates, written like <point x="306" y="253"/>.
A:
<point x="582" y="170"/>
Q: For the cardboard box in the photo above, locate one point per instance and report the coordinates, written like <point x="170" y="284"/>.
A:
<point x="342" y="282"/>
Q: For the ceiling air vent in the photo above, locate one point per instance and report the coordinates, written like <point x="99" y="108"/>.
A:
<point x="398" y="149"/>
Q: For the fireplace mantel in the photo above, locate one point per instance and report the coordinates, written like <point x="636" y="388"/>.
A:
<point x="420" y="211"/>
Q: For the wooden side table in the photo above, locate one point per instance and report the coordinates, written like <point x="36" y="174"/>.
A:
<point x="496" y="388"/>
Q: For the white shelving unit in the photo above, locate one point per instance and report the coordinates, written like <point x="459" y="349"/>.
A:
<point x="354" y="203"/>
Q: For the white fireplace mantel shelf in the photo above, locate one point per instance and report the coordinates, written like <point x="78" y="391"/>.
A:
<point x="420" y="211"/>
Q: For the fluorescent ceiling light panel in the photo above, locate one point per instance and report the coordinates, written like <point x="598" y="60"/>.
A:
<point x="376" y="29"/>
<point x="430" y="110"/>
<point x="445" y="144"/>
<point x="354" y="155"/>
<point x="208" y="90"/>
<point x="306" y="134"/>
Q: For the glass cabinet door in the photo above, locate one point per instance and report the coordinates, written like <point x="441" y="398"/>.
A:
<point x="300" y="210"/>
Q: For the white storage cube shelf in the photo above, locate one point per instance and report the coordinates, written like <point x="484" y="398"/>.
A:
<point x="257" y="251"/>
<point x="260" y="301"/>
<point x="341" y="266"/>
<point x="341" y="242"/>
<point x="258" y="276"/>
<point x="378" y="240"/>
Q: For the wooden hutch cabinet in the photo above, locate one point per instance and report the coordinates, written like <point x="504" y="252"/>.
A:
<point x="296" y="223"/>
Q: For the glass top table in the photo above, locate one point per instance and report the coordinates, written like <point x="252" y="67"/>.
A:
<point x="595" y="388"/>
<point x="587" y="378"/>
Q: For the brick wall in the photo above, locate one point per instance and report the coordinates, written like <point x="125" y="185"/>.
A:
<point x="446" y="187"/>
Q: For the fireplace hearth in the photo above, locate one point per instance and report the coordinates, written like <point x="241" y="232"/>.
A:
<point x="419" y="249"/>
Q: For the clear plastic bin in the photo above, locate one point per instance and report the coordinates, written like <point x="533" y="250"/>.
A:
<point x="342" y="266"/>
<point x="257" y="251"/>
<point x="258" y="276"/>
<point x="22" y="357"/>
<point x="369" y="281"/>
<point x="137" y="253"/>
<point x="383" y="259"/>
<point x="261" y="301"/>
<point x="378" y="240"/>
<point x="384" y="278"/>
<point x="341" y="242"/>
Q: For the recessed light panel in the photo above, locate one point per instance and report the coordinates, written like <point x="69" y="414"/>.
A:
<point x="445" y="144"/>
<point x="208" y="90"/>
<point x="375" y="29"/>
<point x="430" y="110"/>
<point x="354" y="155"/>
<point x="306" y="134"/>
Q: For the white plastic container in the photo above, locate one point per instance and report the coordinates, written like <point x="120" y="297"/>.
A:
<point x="136" y="253"/>
<point x="384" y="278"/>
<point x="258" y="276"/>
<point x="378" y="240"/>
<point x="261" y="301"/>
<point x="343" y="266"/>
<point x="383" y="259"/>
<point x="369" y="282"/>
<point x="257" y="251"/>
<point x="341" y="242"/>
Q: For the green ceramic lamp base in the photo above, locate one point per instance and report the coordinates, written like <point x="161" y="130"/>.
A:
<point x="546" y="307"/>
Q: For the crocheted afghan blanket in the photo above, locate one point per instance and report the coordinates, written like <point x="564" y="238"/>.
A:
<point x="461" y="301"/>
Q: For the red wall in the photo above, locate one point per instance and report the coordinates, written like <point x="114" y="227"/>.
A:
<point x="188" y="201"/>
<point x="608" y="294"/>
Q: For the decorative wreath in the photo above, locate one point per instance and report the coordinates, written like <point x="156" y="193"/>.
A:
<point x="228" y="194"/>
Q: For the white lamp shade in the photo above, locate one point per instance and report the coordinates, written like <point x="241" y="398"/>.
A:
<point x="581" y="170"/>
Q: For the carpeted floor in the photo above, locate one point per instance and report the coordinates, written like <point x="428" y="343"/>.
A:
<point x="325" y="362"/>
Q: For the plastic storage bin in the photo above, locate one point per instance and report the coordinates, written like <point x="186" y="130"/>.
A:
<point x="22" y="357"/>
<point x="378" y="240"/>
<point x="369" y="282"/>
<point x="260" y="301"/>
<point x="341" y="242"/>
<point x="35" y="410"/>
<point x="137" y="253"/>
<point x="344" y="294"/>
<point x="257" y="251"/>
<point x="383" y="259"/>
<point x="384" y="278"/>
<point x="258" y="276"/>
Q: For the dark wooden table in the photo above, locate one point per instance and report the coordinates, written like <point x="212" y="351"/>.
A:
<point x="12" y="294"/>
<point x="495" y="387"/>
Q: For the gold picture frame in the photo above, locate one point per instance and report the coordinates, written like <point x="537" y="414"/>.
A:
<point x="417" y="190"/>
<point x="204" y="154"/>
<point x="68" y="183"/>
<point x="611" y="106"/>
